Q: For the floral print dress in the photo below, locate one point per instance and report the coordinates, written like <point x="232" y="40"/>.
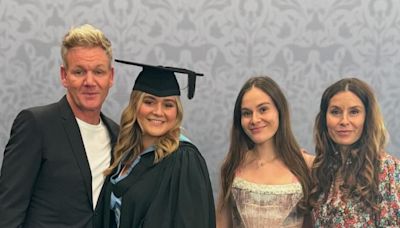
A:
<point x="350" y="213"/>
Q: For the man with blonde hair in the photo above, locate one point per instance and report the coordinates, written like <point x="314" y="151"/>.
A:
<point x="53" y="162"/>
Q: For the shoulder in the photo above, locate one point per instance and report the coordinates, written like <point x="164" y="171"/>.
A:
<point x="112" y="125"/>
<point x="30" y="123"/>
<point x="188" y="149"/>
<point x="309" y="158"/>
<point x="389" y="174"/>
<point x="41" y="110"/>
<point x="388" y="160"/>
<point x="187" y="145"/>
<point x="37" y="113"/>
<point x="188" y="154"/>
<point x="390" y="166"/>
<point x="49" y="112"/>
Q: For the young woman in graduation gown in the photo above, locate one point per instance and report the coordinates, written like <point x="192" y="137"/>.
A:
<point x="156" y="179"/>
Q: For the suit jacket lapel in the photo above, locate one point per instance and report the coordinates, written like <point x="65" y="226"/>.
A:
<point x="112" y="130"/>
<point x="75" y="139"/>
<point x="113" y="133"/>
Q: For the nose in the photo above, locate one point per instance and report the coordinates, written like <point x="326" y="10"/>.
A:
<point x="157" y="110"/>
<point x="254" y="117"/>
<point x="89" y="79"/>
<point x="345" y="120"/>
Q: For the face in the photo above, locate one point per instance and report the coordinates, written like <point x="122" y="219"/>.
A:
<point x="345" y="118"/>
<point x="259" y="117"/>
<point x="156" y="116"/>
<point x="87" y="79"/>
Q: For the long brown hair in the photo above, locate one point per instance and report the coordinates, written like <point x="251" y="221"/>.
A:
<point x="284" y="139"/>
<point x="129" y="142"/>
<point x="360" y="179"/>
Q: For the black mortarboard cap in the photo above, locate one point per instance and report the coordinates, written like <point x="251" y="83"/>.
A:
<point x="161" y="81"/>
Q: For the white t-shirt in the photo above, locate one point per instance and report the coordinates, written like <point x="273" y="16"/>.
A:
<point x="98" y="151"/>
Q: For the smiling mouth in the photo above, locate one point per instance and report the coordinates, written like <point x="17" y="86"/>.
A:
<point x="256" y="129"/>
<point x="156" y="122"/>
<point x="343" y="133"/>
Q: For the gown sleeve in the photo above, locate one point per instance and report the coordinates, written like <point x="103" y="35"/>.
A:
<point x="390" y="191"/>
<point x="185" y="197"/>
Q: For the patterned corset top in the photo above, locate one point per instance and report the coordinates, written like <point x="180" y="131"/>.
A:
<point x="261" y="205"/>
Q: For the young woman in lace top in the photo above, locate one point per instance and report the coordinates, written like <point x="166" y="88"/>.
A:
<point x="265" y="176"/>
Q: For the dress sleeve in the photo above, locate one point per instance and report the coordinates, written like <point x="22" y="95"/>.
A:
<point x="390" y="190"/>
<point x="186" y="198"/>
<point x="21" y="165"/>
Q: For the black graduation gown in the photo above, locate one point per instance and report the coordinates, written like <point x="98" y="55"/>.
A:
<point x="173" y="193"/>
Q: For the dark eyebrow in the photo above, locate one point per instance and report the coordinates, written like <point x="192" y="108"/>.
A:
<point x="259" y="105"/>
<point x="338" y="107"/>
<point x="357" y="106"/>
<point x="264" y="103"/>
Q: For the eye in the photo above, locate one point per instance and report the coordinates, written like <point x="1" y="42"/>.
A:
<point x="334" y="112"/>
<point x="263" y="109"/>
<point x="78" y="72"/>
<point x="99" y="72"/>
<point x="169" y="105"/>
<point x="246" y="113"/>
<point x="354" y="112"/>
<point x="148" y="101"/>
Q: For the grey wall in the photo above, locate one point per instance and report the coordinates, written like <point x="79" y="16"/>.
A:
<point x="303" y="45"/>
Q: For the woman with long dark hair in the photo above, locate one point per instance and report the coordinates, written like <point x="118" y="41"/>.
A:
<point x="356" y="183"/>
<point x="265" y="178"/>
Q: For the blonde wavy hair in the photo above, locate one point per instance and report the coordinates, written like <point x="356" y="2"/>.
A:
<point x="85" y="36"/>
<point x="360" y="179"/>
<point x="129" y="142"/>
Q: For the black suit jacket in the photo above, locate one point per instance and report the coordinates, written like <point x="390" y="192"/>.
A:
<point x="45" y="178"/>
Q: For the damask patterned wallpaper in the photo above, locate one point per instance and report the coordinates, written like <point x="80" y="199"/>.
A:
<point x="305" y="45"/>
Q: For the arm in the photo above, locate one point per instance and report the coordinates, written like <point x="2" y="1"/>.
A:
<point x="20" y="167"/>
<point x="308" y="221"/>
<point x="195" y="202"/>
<point x="390" y="190"/>
<point x="309" y="158"/>
<point x="184" y="197"/>
<point x="224" y="217"/>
